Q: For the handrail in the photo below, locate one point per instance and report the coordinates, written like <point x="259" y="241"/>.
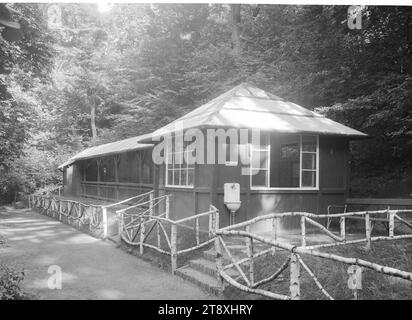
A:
<point x="330" y="256"/>
<point x="141" y="203"/>
<point x="310" y="215"/>
<point x="132" y="228"/>
<point x="296" y="261"/>
<point x="194" y="217"/>
<point x="74" y="211"/>
<point x="129" y="199"/>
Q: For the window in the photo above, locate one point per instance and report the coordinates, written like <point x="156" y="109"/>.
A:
<point x="231" y="149"/>
<point x="178" y="172"/>
<point x="260" y="155"/>
<point x="285" y="162"/>
<point x="308" y="161"/>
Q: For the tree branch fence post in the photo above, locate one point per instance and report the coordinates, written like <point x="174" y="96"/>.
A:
<point x="391" y="224"/>
<point x="294" y="286"/>
<point x="142" y="232"/>
<point x="151" y="204"/>
<point x="342" y="228"/>
<point x="303" y="231"/>
<point x="368" y="231"/>
<point x="167" y="207"/>
<point x="249" y="249"/>
<point x="104" y="222"/>
<point x="173" y="245"/>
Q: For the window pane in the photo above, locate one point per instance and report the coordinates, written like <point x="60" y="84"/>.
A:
<point x="308" y="160"/>
<point x="260" y="179"/>
<point x="285" y="161"/>
<point x="183" y="174"/>
<point x="309" y="143"/>
<point x="169" y="177"/>
<point x="178" y="158"/>
<point x="232" y="152"/>
<point x="259" y="159"/>
<point x="289" y="151"/>
<point x="190" y="176"/>
<point x="308" y="178"/>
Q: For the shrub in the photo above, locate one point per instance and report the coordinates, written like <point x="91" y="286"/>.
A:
<point x="10" y="284"/>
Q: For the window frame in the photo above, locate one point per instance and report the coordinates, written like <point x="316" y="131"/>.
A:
<point x="268" y="187"/>
<point x="187" y="168"/>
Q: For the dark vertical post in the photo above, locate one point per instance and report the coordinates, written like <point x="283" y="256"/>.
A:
<point x="116" y="161"/>
<point x="98" y="161"/>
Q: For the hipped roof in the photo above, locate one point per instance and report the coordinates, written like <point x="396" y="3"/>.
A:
<point x="107" y="149"/>
<point x="246" y="106"/>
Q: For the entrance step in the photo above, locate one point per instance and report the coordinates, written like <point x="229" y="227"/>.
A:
<point x="237" y="251"/>
<point x="202" y="271"/>
<point x="115" y="239"/>
<point x="208" y="267"/>
<point x="204" y="280"/>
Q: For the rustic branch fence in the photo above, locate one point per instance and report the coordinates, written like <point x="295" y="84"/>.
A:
<point x="79" y="214"/>
<point x="76" y="213"/>
<point x="137" y="223"/>
<point x="246" y="279"/>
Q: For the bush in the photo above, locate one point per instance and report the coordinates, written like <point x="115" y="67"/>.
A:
<point x="10" y="284"/>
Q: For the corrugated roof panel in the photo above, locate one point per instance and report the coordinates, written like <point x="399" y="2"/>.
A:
<point x="121" y="146"/>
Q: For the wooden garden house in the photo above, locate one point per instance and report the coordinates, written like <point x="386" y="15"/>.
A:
<point x="303" y="162"/>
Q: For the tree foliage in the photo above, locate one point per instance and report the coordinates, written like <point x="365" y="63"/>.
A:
<point x="106" y="76"/>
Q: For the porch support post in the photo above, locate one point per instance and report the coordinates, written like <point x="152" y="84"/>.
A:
<point x="116" y="161"/>
<point x="98" y="161"/>
<point x="140" y="169"/>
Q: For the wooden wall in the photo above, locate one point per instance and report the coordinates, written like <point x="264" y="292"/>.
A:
<point x="209" y="181"/>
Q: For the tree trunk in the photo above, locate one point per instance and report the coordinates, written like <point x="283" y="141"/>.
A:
<point x="93" y="120"/>
<point x="235" y="24"/>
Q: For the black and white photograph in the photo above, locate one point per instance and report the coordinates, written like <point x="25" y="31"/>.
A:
<point x="215" y="153"/>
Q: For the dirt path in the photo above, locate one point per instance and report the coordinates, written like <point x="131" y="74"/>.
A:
<point x="92" y="268"/>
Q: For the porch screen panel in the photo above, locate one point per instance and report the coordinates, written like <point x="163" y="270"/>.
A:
<point x="107" y="169"/>
<point x="127" y="170"/>
<point x="147" y="166"/>
<point x="91" y="170"/>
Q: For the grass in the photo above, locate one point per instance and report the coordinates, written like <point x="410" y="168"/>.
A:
<point x="333" y="275"/>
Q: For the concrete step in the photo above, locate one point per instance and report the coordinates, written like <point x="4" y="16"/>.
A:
<point x="115" y="239"/>
<point x="209" y="267"/>
<point x="203" y="265"/>
<point x="205" y="281"/>
<point x="237" y="251"/>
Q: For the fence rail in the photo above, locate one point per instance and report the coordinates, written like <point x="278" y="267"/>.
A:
<point x="75" y="212"/>
<point x="138" y="222"/>
<point x="246" y="279"/>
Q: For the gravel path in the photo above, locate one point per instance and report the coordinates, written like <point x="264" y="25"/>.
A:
<point x="92" y="268"/>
